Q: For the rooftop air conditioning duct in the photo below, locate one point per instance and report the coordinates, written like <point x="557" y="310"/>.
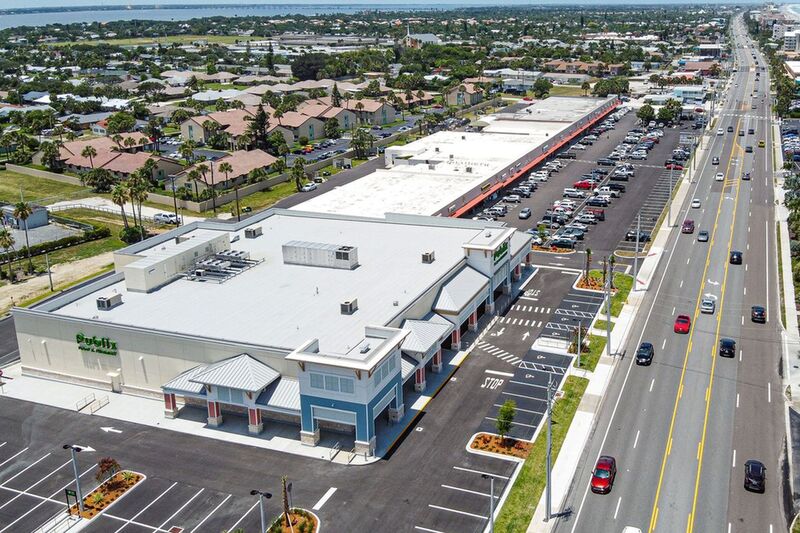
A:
<point x="349" y="307"/>
<point x="428" y="257"/>
<point x="104" y="303"/>
<point x="252" y="233"/>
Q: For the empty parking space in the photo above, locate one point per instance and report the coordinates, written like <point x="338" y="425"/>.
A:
<point x="577" y="307"/>
<point x="462" y="503"/>
<point x="651" y="210"/>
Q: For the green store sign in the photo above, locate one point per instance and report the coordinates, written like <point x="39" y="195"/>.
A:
<point x="500" y="252"/>
<point x="99" y="345"/>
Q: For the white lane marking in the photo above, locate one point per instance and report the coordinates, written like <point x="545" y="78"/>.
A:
<point x="24" y="469"/>
<point x="743" y="321"/>
<point x="737" y="400"/>
<point x="766" y="252"/>
<point x="636" y="440"/>
<point x="325" y="498"/>
<point x="23" y="450"/>
<point x="456" y="511"/>
<point x="469" y="491"/>
<point x="496" y="373"/>
<point x="733" y="463"/>
<point x="146" y="507"/>
<point x="461" y="468"/>
<point x="745" y="291"/>
<point x="619" y="501"/>
<point x="234" y="526"/>
<point x="182" y="507"/>
<point x="214" y="510"/>
<point x="673" y="310"/>
<point x="428" y="530"/>
<point x="688" y="259"/>
<point x="769" y="392"/>
<point x="663" y="344"/>
<point x="740" y="355"/>
<point x="682" y="280"/>
<point x="36" y="483"/>
<point x="651" y="384"/>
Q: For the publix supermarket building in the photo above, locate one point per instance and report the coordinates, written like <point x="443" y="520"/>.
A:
<point x="318" y="320"/>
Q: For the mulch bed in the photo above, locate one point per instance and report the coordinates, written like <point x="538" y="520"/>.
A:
<point x="302" y="522"/>
<point x="508" y="446"/>
<point x="111" y="489"/>
<point x="551" y="249"/>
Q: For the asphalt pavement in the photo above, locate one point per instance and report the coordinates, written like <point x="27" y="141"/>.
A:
<point x="682" y="428"/>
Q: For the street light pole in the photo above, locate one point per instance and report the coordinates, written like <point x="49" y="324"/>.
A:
<point x="491" y="500"/>
<point x="261" y="496"/>
<point x="548" y="496"/>
<point x="608" y="307"/>
<point x="636" y="253"/>
<point x="578" y="346"/>
<point x="74" y="450"/>
<point x="669" y="200"/>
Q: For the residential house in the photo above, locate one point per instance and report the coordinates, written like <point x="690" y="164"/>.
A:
<point x="616" y="69"/>
<point x="234" y="122"/>
<point x="301" y="125"/>
<point x="87" y="121"/>
<point x="323" y="112"/>
<point x="369" y="112"/>
<point x="704" y="68"/>
<point x="463" y="94"/>
<point x="242" y="162"/>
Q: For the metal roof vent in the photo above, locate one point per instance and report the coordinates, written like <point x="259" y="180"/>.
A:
<point x="104" y="303"/>
<point x="436" y="148"/>
<point x="428" y="257"/>
<point x="365" y="348"/>
<point x="349" y="307"/>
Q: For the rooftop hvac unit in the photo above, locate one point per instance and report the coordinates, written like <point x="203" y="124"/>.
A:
<point x="233" y="255"/>
<point x="428" y="257"/>
<point x="349" y="307"/>
<point x="451" y="156"/>
<point x="252" y="233"/>
<point x="200" y="273"/>
<point x="469" y="170"/>
<point x="463" y="137"/>
<point x="104" y="303"/>
<point x="436" y="148"/>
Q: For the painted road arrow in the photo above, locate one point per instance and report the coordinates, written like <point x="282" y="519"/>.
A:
<point x="85" y="448"/>
<point x="111" y="430"/>
<point x="526" y="335"/>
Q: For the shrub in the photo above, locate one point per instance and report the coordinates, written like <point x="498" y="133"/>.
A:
<point x="132" y="234"/>
<point x="97" y="498"/>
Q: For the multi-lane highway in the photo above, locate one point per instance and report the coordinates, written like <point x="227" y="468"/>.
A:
<point x="682" y="429"/>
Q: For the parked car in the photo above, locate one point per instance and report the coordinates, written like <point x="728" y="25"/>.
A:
<point x="563" y="242"/>
<point x="631" y="236"/>
<point x="525" y="213"/>
<point x="165" y="218"/>
<point x="308" y="187"/>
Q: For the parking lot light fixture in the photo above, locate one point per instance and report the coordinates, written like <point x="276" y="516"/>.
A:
<point x="74" y="450"/>
<point x="491" y="500"/>
<point x="261" y="497"/>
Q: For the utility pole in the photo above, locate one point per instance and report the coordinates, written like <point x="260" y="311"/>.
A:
<point x="49" y="274"/>
<point x="608" y="308"/>
<point x="669" y="200"/>
<point x="636" y="253"/>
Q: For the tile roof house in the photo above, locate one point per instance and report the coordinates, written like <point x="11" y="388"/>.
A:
<point x="242" y="162"/>
<point x="463" y="94"/>
<point x="323" y="112"/>
<point x="369" y="112"/>
<point x="234" y="122"/>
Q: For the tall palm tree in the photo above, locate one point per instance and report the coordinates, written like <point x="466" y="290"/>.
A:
<point x="90" y="152"/>
<point x="278" y="114"/>
<point x="129" y="142"/>
<point x="117" y="140"/>
<point x="226" y="169"/>
<point x="7" y="243"/>
<point x="119" y="195"/>
<point x="22" y="210"/>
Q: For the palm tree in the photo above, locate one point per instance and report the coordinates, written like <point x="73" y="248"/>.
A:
<point x="586" y="87"/>
<point x="360" y="108"/>
<point x="278" y="114"/>
<point x="90" y="152"/>
<point x="298" y="172"/>
<point x="194" y="177"/>
<point x="119" y="195"/>
<point x="7" y="243"/>
<point x="117" y="140"/>
<point x="226" y="169"/>
<point x="22" y="210"/>
<point x="129" y="142"/>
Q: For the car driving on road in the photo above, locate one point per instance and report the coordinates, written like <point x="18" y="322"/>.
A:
<point x="758" y="314"/>
<point x="708" y="306"/>
<point x="682" y="324"/>
<point x="644" y="355"/>
<point x="755" y="476"/>
<point x="603" y="475"/>
<point x="727" y="347"/>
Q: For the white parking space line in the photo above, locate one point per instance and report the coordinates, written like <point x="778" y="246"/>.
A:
<point x="36" y="483"/>
<point x="523" y="396"/>
<point x="214" y="510"/>
<point x="456" y="511"/>
<point x="523" y="410"/>
<point x="428" y="530"/>
<point x="325" y="498"/>
<point x="23" y="450"/>
<point x="135" y="523"/>
<point x="2" y="444"/>
<point x="527" y="384"/>
<point x="23" y="470"/>
<point x="182" y="507"/>
<point x="146" y="507"/>
<point x="462" y="469"/>
<point x="486" y="494"/>
<point x="234" y="526"/>
<point x="515" y="423"/>
<point x="45" y="500"/>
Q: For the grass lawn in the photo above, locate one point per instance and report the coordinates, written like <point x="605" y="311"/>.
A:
<point x="623" y="284"/>
<point x="258" y="200"/>
<point x="597" y="346"/>
<point x="38" y="190"/>
<point x="780" y="278"/>
<point x="566" y="90"/>
<point x="524" y="496"/>
<point x="601" y="325"/>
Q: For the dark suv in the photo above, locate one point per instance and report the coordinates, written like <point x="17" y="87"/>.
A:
<point x="727" y="347"/>
<point x="755" y="476"/>
<point x="758" y="314"/>
<point x="736" y="257"/>
<point x="631" y="236"/>
<point x="644" y="355"/>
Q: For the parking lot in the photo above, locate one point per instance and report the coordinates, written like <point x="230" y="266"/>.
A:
<point x="33" y="483"/>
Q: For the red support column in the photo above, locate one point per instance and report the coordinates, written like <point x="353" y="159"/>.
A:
<point x="473" y="321"/>
<point x="170" y="405"/>
<point x="517" y="272"/>
<point x="419" y="379"/>
<point x="214" y="414"/>
<point x="455" y="339"/>
<point x="256" y="425"/>
<point x="437" y="361"/>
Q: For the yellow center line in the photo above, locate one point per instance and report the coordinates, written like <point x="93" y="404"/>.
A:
<point x="690" y="526"/>
<point x="654" y="514"/>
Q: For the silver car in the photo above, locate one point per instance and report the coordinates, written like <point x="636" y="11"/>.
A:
<point x="708" y="306"/>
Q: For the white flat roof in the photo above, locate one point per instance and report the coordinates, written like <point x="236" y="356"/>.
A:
<point x="280" y="305"/>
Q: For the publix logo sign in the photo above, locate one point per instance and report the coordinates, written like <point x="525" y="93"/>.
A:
<point x="100" y="345"/>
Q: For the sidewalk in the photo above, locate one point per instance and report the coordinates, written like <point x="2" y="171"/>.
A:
<point x="579" y="431"/>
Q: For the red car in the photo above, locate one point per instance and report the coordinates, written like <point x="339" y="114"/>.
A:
<point x="604" y="473"/>
<point x="583" y="184"/>
<point x="682" y="324"/>
<point x="527" y="99"/>
<point x="688" y="226"/>
<point x="673" y="166"/>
